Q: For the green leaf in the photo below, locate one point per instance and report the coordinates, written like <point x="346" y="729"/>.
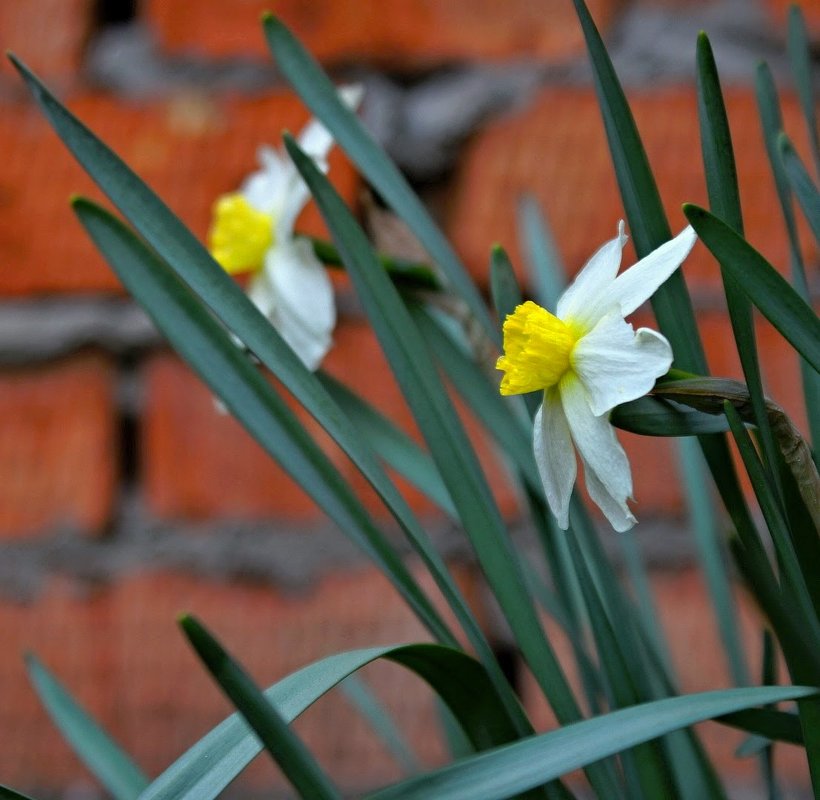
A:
<point x="318" y="93"/>
<point x="765" y="287"/>
<point x="801" y="183"/>
<point x="459" y="680"/>
<point x="205" y="345"/>
<point x="507" y="770"/>
<point x="104" y="758"/>
<point x="724" y="201"/>
<point x="285" y="747"/>
<point x="451" y="450"/>
<point x="800" y="56"/>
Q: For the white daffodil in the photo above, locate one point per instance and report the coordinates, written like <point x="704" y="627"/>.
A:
<point x="252" y="232"/>
<point x="587" y="359"/>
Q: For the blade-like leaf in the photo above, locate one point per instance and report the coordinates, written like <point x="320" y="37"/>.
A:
<point x="766" y="288"/>
<point x="801" y="183"/>
<point x="547" y="274"/>
<point x="800" y="57"/>
<point x="459" y="680"/>
<point x="513" y="768"/>
<point x="319" y="95"/>
<point x="95" y="748"/>
<point x="285" y="747"/>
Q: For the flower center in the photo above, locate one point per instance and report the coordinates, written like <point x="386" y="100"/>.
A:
<point x="537" y="349"/>
<point x="240" y="235"/>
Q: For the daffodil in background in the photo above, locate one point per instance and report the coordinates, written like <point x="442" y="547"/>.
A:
<point x="253" y="233"/>
<point x="587" y="359"/>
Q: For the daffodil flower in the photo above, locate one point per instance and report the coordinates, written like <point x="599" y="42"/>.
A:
<point x="252" y="232"/>
<point x="587" y="359"/>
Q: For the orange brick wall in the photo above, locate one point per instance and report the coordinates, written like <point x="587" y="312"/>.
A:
<point x="118" y="473"/>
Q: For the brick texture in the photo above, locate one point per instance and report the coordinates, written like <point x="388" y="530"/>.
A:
<point x="58" y="449"/>
<point x="49" y="35"/>
<point x="396" y="33"/>
<point x="199" y="463"/>
<point x="190" y="149"/>
<point x="556" y="151"/>
<point x="120" y="652"/>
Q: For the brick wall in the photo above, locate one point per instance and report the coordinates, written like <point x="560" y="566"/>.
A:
<point x="125" y="497"/>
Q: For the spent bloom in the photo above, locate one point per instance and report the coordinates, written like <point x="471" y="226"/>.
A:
<point x="252" y="232"/>
<point x="587" y="359"/>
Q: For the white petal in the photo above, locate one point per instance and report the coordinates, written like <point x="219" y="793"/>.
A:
<point x="600" y="449"/>
<point x="266" y="188"/>
<point x="617" y="364"/>
<point x="636" y="285"/>
<point x="554" y="455"/>
<point x="304" y="312"/>
<point x="592" y="281"/>
<point x="315" y="139"/>
<point x="617" y="512"/>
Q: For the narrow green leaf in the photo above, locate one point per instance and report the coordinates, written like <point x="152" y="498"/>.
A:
<point x="459" y="680"/>
<point x="444" y="434"/>
<point x="504" y="287"/>
<point x="724" y="201"/>
<point x="801" y="183"/>
<point x="800" y="56"/>
<point x="205" y="345"/>
<point x="318" y="93"/>
<point x="507" y="770"/>
<point x="96" y="749"/>
<point x="285" y="747"/>
<point x="778" y="302"/>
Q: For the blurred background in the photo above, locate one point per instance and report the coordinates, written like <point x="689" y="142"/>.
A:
<point x="126" y="498"/>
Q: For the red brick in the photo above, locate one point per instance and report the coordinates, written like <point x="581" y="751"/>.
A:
<point x="189" y="149"/>
<point x="687" y="618"/>
<point x="397" y="33"/>
<point x="556" y="150"/>
<point x="58" y="451"/>
<point x="49" y="35"/>
<point x="199" y="463"/>
<point x="120" y="652"/>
